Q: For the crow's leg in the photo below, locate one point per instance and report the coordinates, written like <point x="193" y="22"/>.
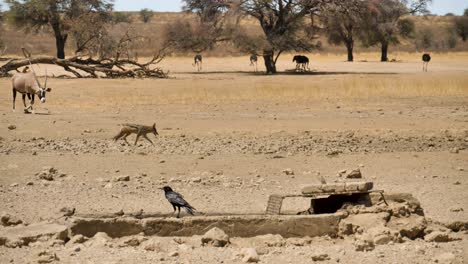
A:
<point x="173" y="206"/>
<point x="178" y="213"/>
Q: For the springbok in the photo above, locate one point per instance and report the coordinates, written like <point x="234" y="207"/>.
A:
<point x="253" y="61"/>
<point x="27" y="83"/>
<point x="302" y="62"/>
<point x="426" y="58"/>
<point x="197" y="61"/>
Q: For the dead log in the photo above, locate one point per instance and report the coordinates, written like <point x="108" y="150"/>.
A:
<point x="90" y="68"/>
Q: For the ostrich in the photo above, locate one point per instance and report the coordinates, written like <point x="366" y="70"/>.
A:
<point x="253" y="61"/>
<point x="197" y="61"/>
<point x="302" y="62"/>
<point x="426" y="58"/>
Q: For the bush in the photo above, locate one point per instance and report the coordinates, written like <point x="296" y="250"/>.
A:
<point x="121" y="17"/>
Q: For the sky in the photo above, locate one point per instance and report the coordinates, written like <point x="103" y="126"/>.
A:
<point x="439" y="7"/>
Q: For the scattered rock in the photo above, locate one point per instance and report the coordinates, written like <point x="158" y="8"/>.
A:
<point x="446" y="257"/>
<point x="249" y="255"/>
<point x="151" y="245"/>
<point x="456" y="209"/>
<point x="99" y="239"/>
<point x="78" y="239"/>
<point x="9" y="220"/>
<point x="288" y="171"/>
<point x="48" y="173"/>
<point x="46" y="257"/>
<point x="215" y="237"/>
<point x="23" y="235"/>
<point x="455" y="150"/>
<point x="320" y="257"/>
<point x="67" y="211"/>
<point x="363" y="244"/>
<point x="196" y="180"/>
<point x="132" y="241"/>
<point x="439" y="237"/>
<point x="119" y="213"/>
<point x="354" y="174"/>
<point x="11" y="127"/>
<point x="411" y="227"/>
<point x="122" y="178"/>
<point x="174" y="254"/>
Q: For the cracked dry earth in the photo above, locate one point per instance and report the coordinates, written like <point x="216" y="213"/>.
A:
<point x="226" y="153"/>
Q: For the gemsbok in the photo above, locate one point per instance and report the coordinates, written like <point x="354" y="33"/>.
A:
<point x="27" y="84"/>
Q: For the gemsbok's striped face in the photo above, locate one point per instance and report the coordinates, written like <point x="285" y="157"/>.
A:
<point x="42" y="94"/>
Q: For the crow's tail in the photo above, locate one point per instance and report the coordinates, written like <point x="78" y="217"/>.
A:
<point x="189" y="209"/>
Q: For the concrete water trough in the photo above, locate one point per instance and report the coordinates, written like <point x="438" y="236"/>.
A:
<point x="322" y="218"/>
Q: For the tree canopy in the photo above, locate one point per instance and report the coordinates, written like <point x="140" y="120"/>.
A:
<point x="60" y="15"/>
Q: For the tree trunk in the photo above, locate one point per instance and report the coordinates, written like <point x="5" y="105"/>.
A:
<point x="384" y="52"/>
<point x="349" y="47"/>
<point x="269" y="61"/>
<point x="60" y="45"/>
<point x="60" y="38"/>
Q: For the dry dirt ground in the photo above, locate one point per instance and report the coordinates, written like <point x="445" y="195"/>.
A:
<point x="226" y="135"/>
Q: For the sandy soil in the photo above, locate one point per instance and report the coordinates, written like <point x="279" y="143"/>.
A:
<point x="226" y="135"/>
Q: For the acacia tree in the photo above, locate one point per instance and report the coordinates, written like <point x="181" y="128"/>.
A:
<point x="146" y="15"/>
<point x="60" y="15"/>
<point x="461" y="25"/>
<point x="1" y="31"/>
<point x="344" y="22"/>
<point x="284" y="25"/>
<point x="385" y="23"/>
<point x="214" y="22"/>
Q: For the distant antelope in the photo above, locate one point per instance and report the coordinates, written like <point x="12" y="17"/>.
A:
<point x="426" y="58"/>
<point x="302" y="62"/>
<point x="27" y="83"/>
<point x="253" y="61"/>
<point x="197" y="61"/>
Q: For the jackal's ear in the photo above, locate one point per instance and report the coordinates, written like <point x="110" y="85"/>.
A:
<point x="48" y="89"/>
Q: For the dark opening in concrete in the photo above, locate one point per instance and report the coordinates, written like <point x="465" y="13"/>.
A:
<point x="333" y="203"/>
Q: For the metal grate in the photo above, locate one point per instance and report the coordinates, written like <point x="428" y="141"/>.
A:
<point x="274" y="204"/>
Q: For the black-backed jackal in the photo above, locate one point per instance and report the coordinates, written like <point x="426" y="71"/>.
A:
<point x="139" y="130"/>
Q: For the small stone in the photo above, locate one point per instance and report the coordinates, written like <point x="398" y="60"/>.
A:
<point x="122" y="178"/>
<point x="439" y="237"/>
<point x="320" y="257"/>
<point x="30" y="183"/>
<point x="119" y="213"/>
<point x="11" y="127"/>
<point x="78" y="239"/>
<point x="446" y="257"/>
<point x="14" y="184"/>
<point x="249" y="255"/>
<point x="288" y="171"/>
<point x="67" y="211"/>
<point x="354" y="174"/>
<point x="47" y="257"/>
<point x="174" y="254"/>
<point x="455" y="150"/>
<point x="456" y="209"/>
<point x="196" y="180"/>
<point x="364" y="245"/>
<point x="457" y="183"/>
<point x="215" y="237"/>
<point x="9" y="220"/>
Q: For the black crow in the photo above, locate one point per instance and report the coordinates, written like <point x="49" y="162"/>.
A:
<point x="177" y="200"/>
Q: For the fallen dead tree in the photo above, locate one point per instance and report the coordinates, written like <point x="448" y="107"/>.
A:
<point x="90" y="68"/>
